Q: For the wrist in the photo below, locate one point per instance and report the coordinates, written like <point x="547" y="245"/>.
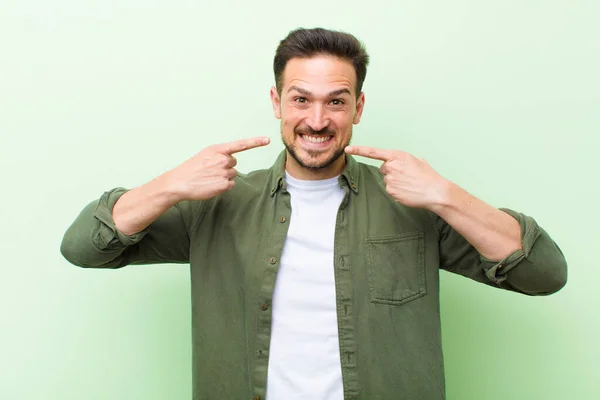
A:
<point x="444" y="197"/>
<point x="167" y="189"/>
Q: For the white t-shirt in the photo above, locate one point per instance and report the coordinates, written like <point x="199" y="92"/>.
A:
<point x="304" y="357"/>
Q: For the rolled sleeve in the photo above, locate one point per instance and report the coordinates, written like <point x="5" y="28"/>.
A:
<point x="538" y="268"/>
<point x="107" y="236"/>
<point x="93" y="241"/>
<point x="497" y="271"/>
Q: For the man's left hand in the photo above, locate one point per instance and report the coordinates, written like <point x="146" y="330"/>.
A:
<point x="408" y="179"/>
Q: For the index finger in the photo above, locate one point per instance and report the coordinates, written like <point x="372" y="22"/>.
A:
<point x="370" y="152"/>
<point x="241" y="145"/>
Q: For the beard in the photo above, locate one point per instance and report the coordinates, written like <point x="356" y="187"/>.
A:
<point x="312" y="162"/>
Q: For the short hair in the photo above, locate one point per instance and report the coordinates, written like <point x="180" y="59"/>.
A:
<point x="306" y="43"/>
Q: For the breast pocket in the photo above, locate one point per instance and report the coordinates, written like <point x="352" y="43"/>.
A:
<point x="396" y="267"/>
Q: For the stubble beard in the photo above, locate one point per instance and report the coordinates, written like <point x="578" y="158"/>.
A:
<point x="314" y="165"/>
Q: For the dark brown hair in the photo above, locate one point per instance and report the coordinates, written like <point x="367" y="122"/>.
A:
<point x="305" y="43"/>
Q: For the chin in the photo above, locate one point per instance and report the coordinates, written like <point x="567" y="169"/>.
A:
<point x="316" y="160"/>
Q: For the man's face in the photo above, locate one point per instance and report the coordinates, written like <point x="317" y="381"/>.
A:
<point x="317" y="108"/>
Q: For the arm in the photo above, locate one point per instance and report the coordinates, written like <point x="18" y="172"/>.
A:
<point x="152" y="223"/>
<point x="502" y="248"/>
<point x="479" y="244"/>
<point x="495" y="234"/>
<point x="138" y="208"/>
<point x="94" y="241"/>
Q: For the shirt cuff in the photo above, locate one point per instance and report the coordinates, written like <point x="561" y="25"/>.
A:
<point x="496" y="271"/>
<point x="107" y="236"/>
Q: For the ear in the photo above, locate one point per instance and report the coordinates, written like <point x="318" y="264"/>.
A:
<point x="360" y="105"/>
<point x="276" y="101"/>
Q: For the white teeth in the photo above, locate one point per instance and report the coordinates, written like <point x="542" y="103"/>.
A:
<point x="313" y="139"/>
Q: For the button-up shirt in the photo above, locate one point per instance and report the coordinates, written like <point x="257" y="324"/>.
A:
<point x="387" y="261"/>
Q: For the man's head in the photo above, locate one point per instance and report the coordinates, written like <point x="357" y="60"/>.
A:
<point x="318" y="97"/>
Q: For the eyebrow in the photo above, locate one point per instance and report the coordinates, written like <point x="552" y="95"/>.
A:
<point x="330" y="94"/>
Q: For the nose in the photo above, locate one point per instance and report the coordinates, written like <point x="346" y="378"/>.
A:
<point x="317" y="118"/>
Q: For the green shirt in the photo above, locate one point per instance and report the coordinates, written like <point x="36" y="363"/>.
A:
<point x="387" y="259"/>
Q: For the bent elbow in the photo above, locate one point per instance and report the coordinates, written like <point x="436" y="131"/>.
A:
<point x="558" y="278"/>
<point x="70" y="252"/>
<point x="84" y="254"/>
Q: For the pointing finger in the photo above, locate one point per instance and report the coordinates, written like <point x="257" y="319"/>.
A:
<point x="241" y="145"/>
<point x="370" y="152"/>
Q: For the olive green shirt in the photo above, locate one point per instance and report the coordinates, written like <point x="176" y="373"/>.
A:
<point x="387" y="259"/>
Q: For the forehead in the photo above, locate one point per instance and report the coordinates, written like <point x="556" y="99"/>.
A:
<point x="319" y="73"/>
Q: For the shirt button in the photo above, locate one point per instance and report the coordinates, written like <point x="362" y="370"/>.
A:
<point x="282" y="219"/>
<point x="264" y="307"/>
<point x="272" y="260"/>
<point x="256" y="398"/>
<point x="353" y="185"/>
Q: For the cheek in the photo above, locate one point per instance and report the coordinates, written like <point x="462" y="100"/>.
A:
<point x="290" y="119"/>
<point x="343" y="123"/>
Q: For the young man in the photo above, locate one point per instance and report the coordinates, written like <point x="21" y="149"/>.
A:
<point x="317" y="278"/>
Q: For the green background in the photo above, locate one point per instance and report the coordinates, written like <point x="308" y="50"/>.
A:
<point x="502" y="97"/>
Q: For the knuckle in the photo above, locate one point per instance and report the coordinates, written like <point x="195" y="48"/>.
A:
<point x="238" y="147"/>
<point x="223" y="160"/>
<point x="399" y="162"/>
<point x="213" y="149"/>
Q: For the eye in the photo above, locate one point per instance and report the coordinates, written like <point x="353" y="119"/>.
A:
<point x="337" y="102"/>
<point x="300" y="100"/>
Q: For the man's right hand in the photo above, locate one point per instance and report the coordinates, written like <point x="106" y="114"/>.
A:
<point x="211" y="171"/>
<point x="206" y="175"/>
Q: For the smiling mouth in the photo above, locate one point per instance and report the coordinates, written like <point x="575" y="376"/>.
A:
<point x="316" y="139"/>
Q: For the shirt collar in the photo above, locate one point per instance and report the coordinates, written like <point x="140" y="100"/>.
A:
<point x="348" y="177"/>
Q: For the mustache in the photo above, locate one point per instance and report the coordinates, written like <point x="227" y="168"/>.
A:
<point x="307" y="130"/>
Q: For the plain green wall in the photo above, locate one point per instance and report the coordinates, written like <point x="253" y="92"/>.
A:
<point x="502" y="97"/>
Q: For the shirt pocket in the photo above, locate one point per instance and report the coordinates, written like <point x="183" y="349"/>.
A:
<point x="396" y="267"/>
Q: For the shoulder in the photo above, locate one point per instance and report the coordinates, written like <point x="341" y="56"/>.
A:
<point x="250" y="188"/>
<point x="252" y="182"/>
<point x="370" y="176"/>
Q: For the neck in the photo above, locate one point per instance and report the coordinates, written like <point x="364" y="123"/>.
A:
<point x="313" y="174"/>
